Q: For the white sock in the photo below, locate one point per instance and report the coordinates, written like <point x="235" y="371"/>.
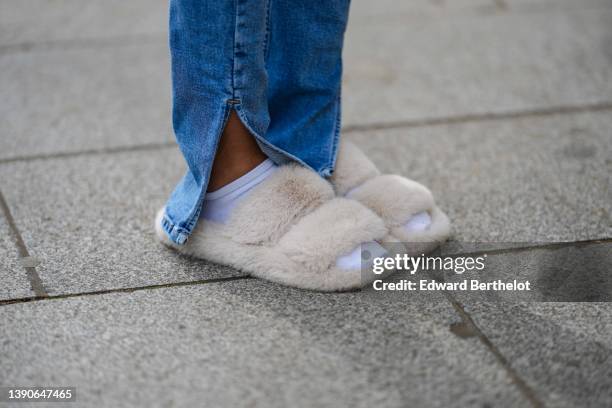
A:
<point x="219" y="204"/>
<point x="418" y="222"/>
<point x="354" y="258"/>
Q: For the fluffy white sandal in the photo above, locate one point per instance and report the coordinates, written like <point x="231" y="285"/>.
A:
<point x="290" y="229"/>
<point x="394" y="198"/>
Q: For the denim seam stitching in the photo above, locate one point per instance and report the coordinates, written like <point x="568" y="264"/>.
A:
<point x="267" y="37"/>
<point x="233" y="78"/>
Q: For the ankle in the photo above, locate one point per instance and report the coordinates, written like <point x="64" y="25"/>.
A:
<point x="227" y="171"/>
<point x="237" y="154"/>
<point x="219" y="204"/>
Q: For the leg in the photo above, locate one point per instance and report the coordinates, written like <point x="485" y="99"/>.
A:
<point x="237" y="154"/>
<point x="218" y="72"/>
<point x="304" y="63"/>
<point x="281" y="223"/>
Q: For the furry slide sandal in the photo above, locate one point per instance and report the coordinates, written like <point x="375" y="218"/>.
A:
<point x="290" y="229"/>
<point x="396" y="199"/>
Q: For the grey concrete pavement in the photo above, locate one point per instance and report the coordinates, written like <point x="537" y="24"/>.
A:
<point x="456" y="66"/>
<point x="73" y="100"/>
<point x="89" y="220"/>
<point x="561" y="347"/>
<point x="34" y="23"/>
<point x="502" y="107"/>
<point x="562" y="350"/>
<point x="569" y="272"/>
<point x="535" y="179"/>
<point x="252" y="343"/>
<point x="15" y="282"/>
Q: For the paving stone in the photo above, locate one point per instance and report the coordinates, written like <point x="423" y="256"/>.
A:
<point x="407" y="11"/>
<point x="561" y="349"/>
<point x="43" y="21"/>
<point x="13" y="276"/>
<point x="589" y="319"/>
<point x="397" y="70"/>
<point x="89" y="220"/>
<point x="393" y="11"/>
<point x="545" y="6"/>
<point x="574" y="272"/>
<point x="251" y="343"/>
<point x="84" y="99"/>
<point x="510" y="181"/>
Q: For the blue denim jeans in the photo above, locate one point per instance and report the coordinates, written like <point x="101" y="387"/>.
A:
<point x="276" y="63"/>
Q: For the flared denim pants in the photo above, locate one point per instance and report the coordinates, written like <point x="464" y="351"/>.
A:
<point x="276" y="63"/>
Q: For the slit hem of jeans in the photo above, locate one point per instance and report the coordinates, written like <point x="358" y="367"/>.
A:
<point x="194" y="214"/>
<point x="245" y="121"/>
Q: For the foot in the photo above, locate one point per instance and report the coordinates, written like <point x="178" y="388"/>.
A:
<point x="218" y="206"/>
<point x="407" y="207"/>
<point x="285" y="224"/>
